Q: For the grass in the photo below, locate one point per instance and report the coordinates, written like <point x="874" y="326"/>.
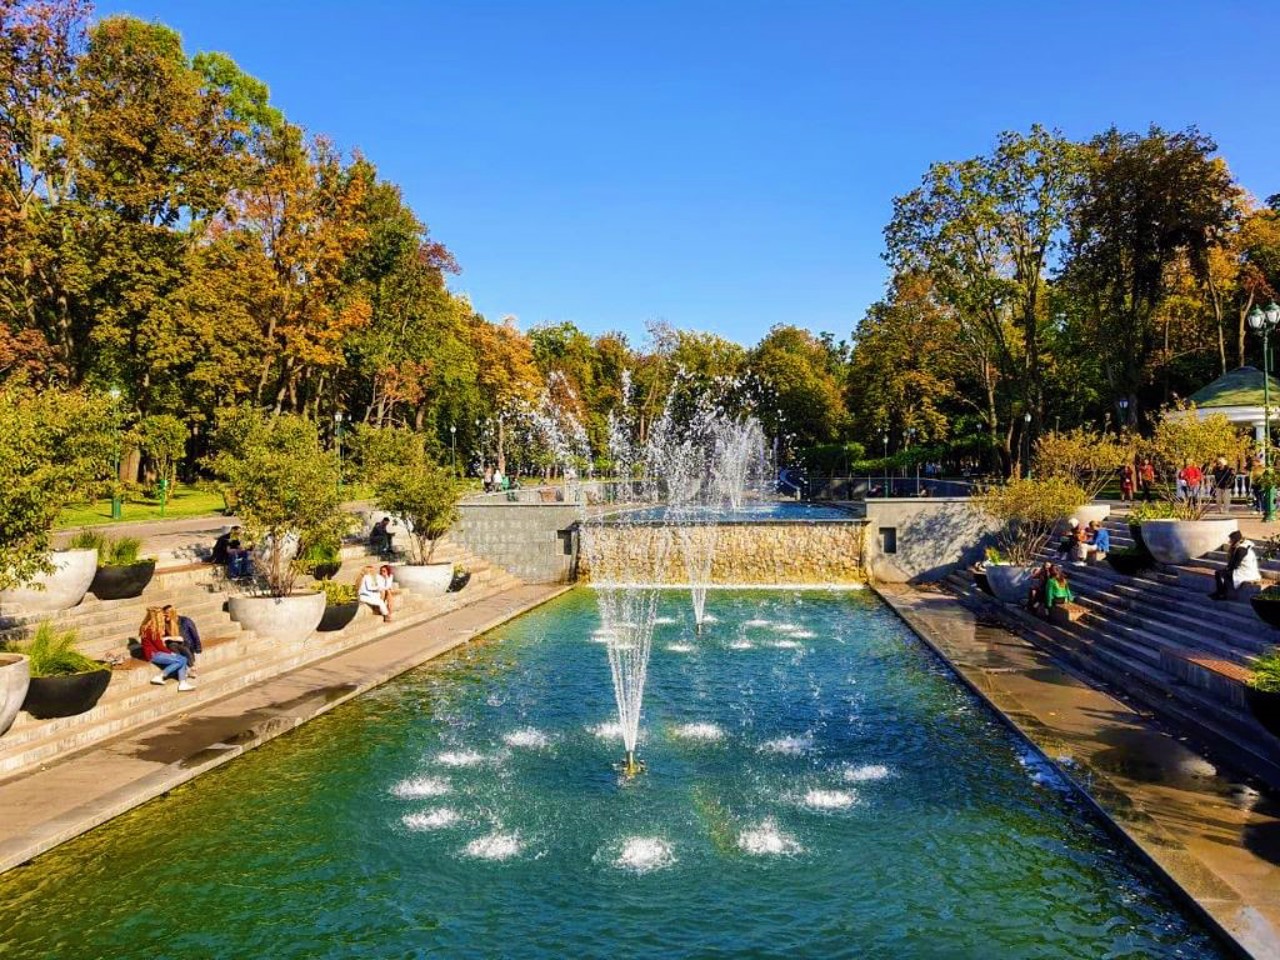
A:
<point x="53" y="653"/>
<point x="185" y="500"/>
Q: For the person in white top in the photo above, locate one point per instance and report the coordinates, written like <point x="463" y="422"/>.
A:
<point x="1241" y="568"/>
<point x="371" y="592"/>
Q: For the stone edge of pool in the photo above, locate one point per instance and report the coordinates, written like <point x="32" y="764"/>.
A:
<point x="299" y="697"/>
<point x="1146" y="817"/>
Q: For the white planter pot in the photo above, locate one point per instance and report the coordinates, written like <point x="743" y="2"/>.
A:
<point x="1090" y="512"/>
<point x="1010" y="583"/>
<point x="1177" y="541"/>
<point x="428" y="579"/>
<point x="15" y="677"/>
<point x="281" y="619"/>
<point x="63" y="589"/>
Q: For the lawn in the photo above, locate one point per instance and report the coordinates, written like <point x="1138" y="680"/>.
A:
<point x="184" y="501"/>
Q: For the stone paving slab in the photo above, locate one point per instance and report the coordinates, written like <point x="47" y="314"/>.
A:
<point x="1218" y="841"/>
<point x="52" y="805"/>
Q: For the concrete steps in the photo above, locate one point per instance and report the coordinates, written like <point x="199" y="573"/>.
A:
<point x="233" y="660"/>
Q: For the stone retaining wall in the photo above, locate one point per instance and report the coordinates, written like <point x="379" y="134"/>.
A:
<point x="757" y="553"/>
<point x="534" y="541"/>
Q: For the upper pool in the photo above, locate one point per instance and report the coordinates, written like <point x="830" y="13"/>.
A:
<point x="765" y="511"/>
<point x="819" y="786"/>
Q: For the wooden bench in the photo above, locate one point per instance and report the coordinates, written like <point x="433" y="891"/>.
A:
<point x="1065" y="613"/>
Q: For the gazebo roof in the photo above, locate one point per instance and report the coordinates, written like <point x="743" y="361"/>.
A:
<point x="1241" y="387"/>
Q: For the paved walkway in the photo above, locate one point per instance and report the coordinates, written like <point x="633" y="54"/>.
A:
<point x="42" y="809"/>
<point x="1218" y="840"/>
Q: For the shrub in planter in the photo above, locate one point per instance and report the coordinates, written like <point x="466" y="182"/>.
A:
<point x="461" y="577"/>
<point x="322" y="559"/>
<point x="1266" y="604"/>
<point x="64" y="682"/>
<point x="1263" y="691"/>
<point x="1084" y="457"/>
<point x="1155" y="510"/>
<point x="1183" y="436"/>
<point x="341" y="605"/>
<point x="121" y="574"/>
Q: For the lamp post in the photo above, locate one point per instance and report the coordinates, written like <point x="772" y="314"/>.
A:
<point x="885" y="437"/>
<point x="1264" y="321"/>
<point x="337" y="441"/>
<point x="911" y="445"/>
<point x="453" y="448"/>
<point x="1027" y="442"/>
<point x="117" y="507"/>
<point x="1124" y="415"/>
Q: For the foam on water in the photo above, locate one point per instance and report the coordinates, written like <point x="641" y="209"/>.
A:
<point x="765" y="839"/>
<point x="789" y="745"/>
<point x="756" y="623"/>
<point x="708" y="618"/>
<point x="601" y="636"/>
<point x="699" y="731"/>
<point x="495" y="846"/>
<point x="460" y="758"/>
<point x="1041" y="772"/>
<point x="644" y="854"/>
<point x="866" y="772"/>
<point x="527" y="737"/>
<point x="829" y="799"/>
<point x="680" y="647"/>
<point x="430" y="819"/>
<point x="786" y="627"/>
<point x="742" y="645"/>
<point x="802" y="634"/>
<point x="663" y="621"/>
<point x="609" y="730"/>
<point x="421" y="787"/>
<point x="787" y="644"/>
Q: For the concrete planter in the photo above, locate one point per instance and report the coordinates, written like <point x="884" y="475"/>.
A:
<point x="66" y="696"/>
<point x="15" y="677"/>
<point x="1090" y="512"/>
<point x="122" y="583"/>
<point x="63" y="589"/>
<point x="282" y="619"/>
<point x="1010" y="583"/>
<point x="427" y="580"/>
<point x="1265" y="708"/>
<point x="1177" y="541"/>
<point x="338" y="616"/>
<point x="1267" y="607"/>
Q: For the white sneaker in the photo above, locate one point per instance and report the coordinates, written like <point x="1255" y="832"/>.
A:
<point x="186" y="685"/>
<point x="158" y="681"/>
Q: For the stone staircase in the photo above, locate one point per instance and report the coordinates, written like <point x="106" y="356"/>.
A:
<point x="233" y="658"/>
<point x="1157" y="640"/>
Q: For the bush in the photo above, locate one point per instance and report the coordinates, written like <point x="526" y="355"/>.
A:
<point x="89" y="540"/>
<point x="336" y="594"/>
<point x="1266" y="672"/>
<point x="56" y="447"/>
<point x="834" y="459"/>
<point x="1028" y="511"/>
<point x="1155" y="510"/>
<point x="119" y="552"/>
<point x="1085" y="457"/>
<point x="319" y="554"/>
<point x="164" y="439"/>
<point x="53" y="654"/>
<point x="284" y="485"/>
<point x="408" y="485"/>
<point x="1182" y="436"/>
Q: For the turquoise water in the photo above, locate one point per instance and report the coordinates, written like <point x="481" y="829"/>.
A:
<point x="818" y="786"/>
<point x="786" y="511"/>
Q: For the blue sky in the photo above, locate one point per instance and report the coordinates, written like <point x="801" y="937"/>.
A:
<point x="724" y="166"/>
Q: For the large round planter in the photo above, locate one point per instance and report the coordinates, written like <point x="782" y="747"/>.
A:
<point x="459" y="581"/>
<point x="337" y="616"/>
<point x="428" y="579"/>
<point x="1090" y="512"/>
<point x="63" y="589"/>
<point x="1177" y="541"/>
<point x="1268" y="610"/>
<point x="1129" y="564"/>
<point x="281" y="619"/>
<point x="980" y="578"/>
<point x="1010" y="583"/>
<point x="1265" y="708"/>
<point x="15" y="677"/>
<point x="50" y="697"/>
<point x="122" y="583"/>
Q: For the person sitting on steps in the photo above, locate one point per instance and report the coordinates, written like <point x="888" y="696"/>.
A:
<point x="1241" y="568"/>
<point x="182" y="637"/>
<point x="1057" y="592"/>
<point x="372" y="592"/>
<point x="1068" y="541"/>
<point x="156" y="652"/>
<point x="1099" y="541"/>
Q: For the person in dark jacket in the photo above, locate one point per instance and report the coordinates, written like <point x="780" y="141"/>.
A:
<point x="182" y="636"/>
<point x="1224" y="481"/>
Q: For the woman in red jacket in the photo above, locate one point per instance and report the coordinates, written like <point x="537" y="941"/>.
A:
<point x="156" y="652"/>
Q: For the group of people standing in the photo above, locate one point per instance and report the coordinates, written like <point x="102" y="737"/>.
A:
<point x="1132" y="478"/>
<point x="495" y="480"/>
<point x="1194" y="483"/>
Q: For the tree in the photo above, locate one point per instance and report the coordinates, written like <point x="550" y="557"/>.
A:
<point x="802" y="384"/>
<point x="1028" y="511"/>
<point x="55" y="447"/>
<point x="163" y="438"/>
<point x="1183" y="436"/>
<point x="507" y="374"/>
<point x="1088" y="458"/>
<point x="410" y="486"/>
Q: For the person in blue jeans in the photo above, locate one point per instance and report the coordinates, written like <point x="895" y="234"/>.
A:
<point x="1099" y="540"/>
<point x="156" y="652"/>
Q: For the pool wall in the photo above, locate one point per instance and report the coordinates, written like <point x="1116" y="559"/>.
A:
<point x="775" y="553"/>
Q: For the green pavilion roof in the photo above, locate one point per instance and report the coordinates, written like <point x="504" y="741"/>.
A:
<point x="1241" y="387"/>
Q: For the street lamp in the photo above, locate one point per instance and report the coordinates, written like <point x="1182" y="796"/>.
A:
<point x="453" y="448"/>
<point x="337" y="441"/>
<point x="911" y="442"/>
<point x="1124" y="415"/>
<point x="1264" y="321"/>
<point x="1027" y="440"/>
<point x="885" y="437"/>
<point x="117" y="507"/>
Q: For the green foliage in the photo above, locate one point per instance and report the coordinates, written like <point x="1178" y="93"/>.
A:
<point x="1155" y="510"/>
<point x="55" y="447"/>
<point x="52" y="653"/>
<point x="1084" y="456"/>
<point x="89" y="540"/>
<point x="164" y="440"/>
<point x="336" y="594"/>
<point x="1184" y="436"/>
<point x="1266" y="671"/>
<point x="1028" y="511"/>
<point x="317" y="554"/>
<point x="836" y="459"/>
<point x="425" y="497"/>
<point x="284" y="486"/>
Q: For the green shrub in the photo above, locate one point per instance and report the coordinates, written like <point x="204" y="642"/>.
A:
<point x="1028" y="511"/>
<point x="336" y="594"/>
<point x="52" y="653"/>
<point x="89" y="540"/>
<point x="120" y="552"/>
<point x="1155" y="510"/>
<point x="1266" y="672"/>
<point x="318" y="554"/>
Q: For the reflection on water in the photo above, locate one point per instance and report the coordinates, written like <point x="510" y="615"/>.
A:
<point x="844" y="800"/>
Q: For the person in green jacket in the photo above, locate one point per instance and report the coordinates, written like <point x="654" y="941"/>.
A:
<point x="1056" y="589"/>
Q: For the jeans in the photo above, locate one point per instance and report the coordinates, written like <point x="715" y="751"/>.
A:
<point x="169" y="664"/>
<point x="240" y="565"/>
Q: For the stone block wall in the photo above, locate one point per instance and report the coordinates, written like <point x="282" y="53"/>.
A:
<point x="743" y="553"/>
<point x="534" y="541"/>
<point x="923" y="539"/>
